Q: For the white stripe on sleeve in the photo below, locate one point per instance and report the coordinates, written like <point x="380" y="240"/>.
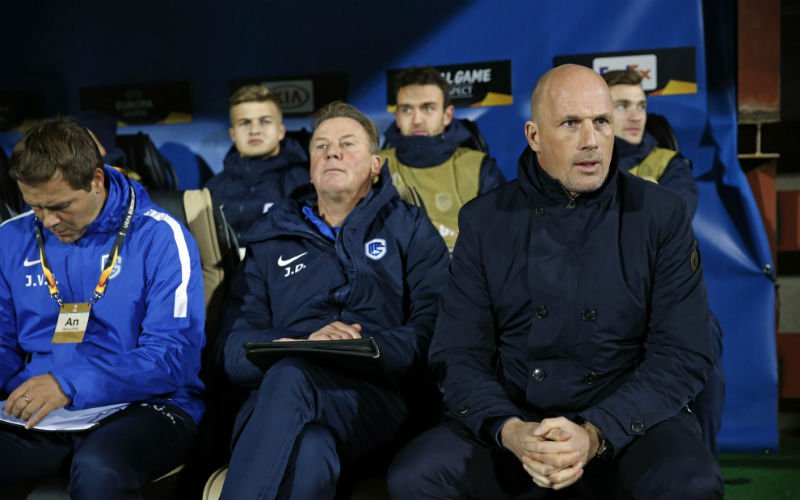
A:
<point x="181" y="295"/>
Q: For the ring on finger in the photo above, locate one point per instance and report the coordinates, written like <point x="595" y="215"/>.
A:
<point x="26" y="398"/>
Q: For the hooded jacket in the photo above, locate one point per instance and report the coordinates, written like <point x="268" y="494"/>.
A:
<point x="144" y="336"/>
<point x="248" y="187"/>
<point x="384" y="270"/>
<point x="590" y="307"/>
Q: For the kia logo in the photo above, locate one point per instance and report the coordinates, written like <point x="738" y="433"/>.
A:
<point x="291" y="96"/>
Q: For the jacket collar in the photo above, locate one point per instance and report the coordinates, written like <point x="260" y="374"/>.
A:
<point x="256" y="169"/>
<point x="118" y="186"/>
<point x="287" y="215"/>
<point x="424" y="151"/>
<point x="630" y="154"/>
<point x="541" y="188"/>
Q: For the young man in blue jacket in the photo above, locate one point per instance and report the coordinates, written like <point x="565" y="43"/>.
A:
<point x="640" y="155"/>
<point x="345" y="260"/>
<point x="574" y="328"/>
<point x="637" y="149"/>
<point x="262" y="167"/>
<point x="426" y="159"/>
<point x="101" y="302"/>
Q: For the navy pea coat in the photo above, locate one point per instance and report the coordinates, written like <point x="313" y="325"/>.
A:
<point x="590" y="307"/>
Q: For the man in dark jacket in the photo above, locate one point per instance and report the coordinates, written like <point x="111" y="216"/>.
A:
<point x="573" y="330"/>
<point x="262" y="167"/>
<point x="348" y="260"/>
<point x="639" y="154"/>
<point x="426" y="159"/>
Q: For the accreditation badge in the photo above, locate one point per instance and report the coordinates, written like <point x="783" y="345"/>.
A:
<point x="73" y="318"/>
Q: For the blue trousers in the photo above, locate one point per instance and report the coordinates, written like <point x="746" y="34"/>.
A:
<point x="303" y="422"/>
<point x="115" y="460"/>
<point x="669" y="462"/>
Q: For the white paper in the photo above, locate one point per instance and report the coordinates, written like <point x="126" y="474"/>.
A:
<point x="66" y="420"/>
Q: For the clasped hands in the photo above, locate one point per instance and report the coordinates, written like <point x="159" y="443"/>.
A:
<point x="35" y="398"/>
<point x="332" y="331"/>
<point x="554" y="451"/>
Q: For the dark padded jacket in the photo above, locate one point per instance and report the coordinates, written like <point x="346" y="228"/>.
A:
<point x="248" y="187"/>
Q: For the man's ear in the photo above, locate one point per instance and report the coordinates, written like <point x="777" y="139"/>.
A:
<point x="281" y="131"/>
<point x="230" y="134"/>
<point x="448" y="115"/>
<point x="375" y="168"/>
<point x="98" y="180"/>
<point x="532" y="135"/>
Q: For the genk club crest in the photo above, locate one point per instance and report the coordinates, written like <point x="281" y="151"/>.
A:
<point x="375" y="249"/>
<point x="117" y="266"/>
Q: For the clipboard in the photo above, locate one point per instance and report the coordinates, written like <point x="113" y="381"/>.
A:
<point x="358" y="358"/>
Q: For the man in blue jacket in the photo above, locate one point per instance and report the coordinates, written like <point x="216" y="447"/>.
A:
<point x="637" y="149"/>
<point x="639" y="154"/>
<point x="426" y="158"/>
<point x="574" y="328"/>
<point x="346" y="260"/>
<point x="262" y="167"/>
<point x="101" y="302"/>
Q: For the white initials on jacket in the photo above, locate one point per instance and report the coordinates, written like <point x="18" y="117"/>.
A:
<point x="288" y="269"/>
<point x="34" y="280"/>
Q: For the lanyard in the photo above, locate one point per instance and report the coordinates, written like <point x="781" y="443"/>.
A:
<point x="102" y="282"/>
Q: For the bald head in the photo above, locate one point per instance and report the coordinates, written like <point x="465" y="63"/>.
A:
<point x="571" y="129"/>
<point x="565" y="75"/>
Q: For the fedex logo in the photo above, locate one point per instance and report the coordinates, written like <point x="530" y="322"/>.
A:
<point x="646" y="64"/>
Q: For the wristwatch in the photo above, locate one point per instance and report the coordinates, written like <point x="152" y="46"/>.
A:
<point x="604" y="448"/>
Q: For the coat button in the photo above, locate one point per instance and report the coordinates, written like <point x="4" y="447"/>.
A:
<point x="539" y="211"/>
<point x="637" y="425"/>
<point x="541" y="312"/>
<point x="463" y="410"/>
<point x="588" y="314"/>
<point x="589" y="378"/>
<point x="538" y="374"/>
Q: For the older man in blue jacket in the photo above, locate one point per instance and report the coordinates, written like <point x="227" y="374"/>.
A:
<point x="101" y="302"/>
<point x="574" y="329"/>
<point x="345" y="260"/>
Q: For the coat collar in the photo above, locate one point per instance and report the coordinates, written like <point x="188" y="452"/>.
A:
<point x="542" y="188"/>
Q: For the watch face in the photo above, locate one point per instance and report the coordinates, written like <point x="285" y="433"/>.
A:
<point x="603" y="450"/>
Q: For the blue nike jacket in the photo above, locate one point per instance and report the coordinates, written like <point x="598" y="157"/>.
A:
<point x="385" y="271"/>
<point x="144" y="337"/>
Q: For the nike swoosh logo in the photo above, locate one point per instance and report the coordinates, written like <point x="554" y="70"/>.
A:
<point x="29" y="263"/>
<point x="286" y="262"/>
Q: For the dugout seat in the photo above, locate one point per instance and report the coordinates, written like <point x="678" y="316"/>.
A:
<point x="658" y="126"/>
<point x="145" y="161"/>
<point x="10" y="198"/>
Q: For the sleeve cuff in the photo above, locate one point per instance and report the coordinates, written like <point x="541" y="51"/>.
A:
<point x="494" y="426"/>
